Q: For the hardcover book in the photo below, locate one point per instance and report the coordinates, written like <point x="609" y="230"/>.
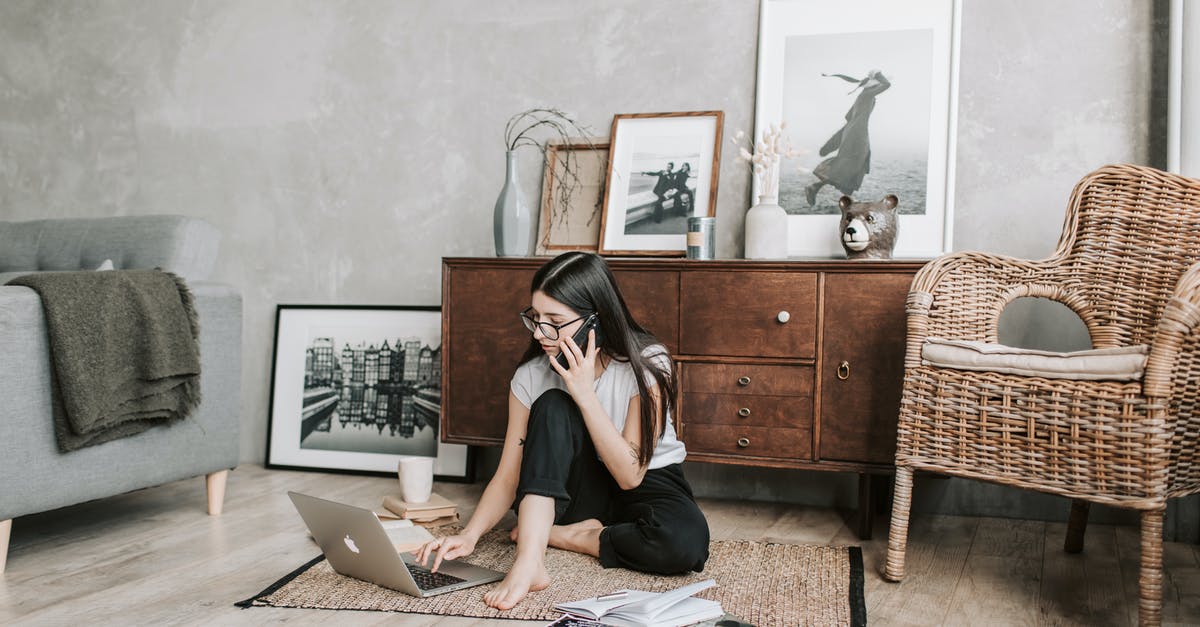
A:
<point x="436" y="507"/>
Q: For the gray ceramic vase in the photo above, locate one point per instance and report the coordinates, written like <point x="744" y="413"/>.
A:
<point x="513" y="220"/>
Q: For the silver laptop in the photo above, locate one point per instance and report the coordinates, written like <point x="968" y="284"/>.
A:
<point x="357" y="545"/>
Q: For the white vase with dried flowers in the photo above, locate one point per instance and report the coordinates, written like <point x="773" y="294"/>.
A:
<point x="766" y="222"/>
<point x="514" y="219"/>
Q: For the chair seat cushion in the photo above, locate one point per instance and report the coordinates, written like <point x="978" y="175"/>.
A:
<point x="1108" y="364"/>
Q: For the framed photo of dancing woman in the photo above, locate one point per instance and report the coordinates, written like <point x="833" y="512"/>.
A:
<point x="662" y="169"/>
<point x="868" y="91"/>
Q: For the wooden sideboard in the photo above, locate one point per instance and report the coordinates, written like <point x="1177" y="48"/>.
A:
<point x="794" y="364"/>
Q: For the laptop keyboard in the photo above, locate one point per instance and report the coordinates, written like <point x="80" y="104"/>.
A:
<point x="428" y="580"/>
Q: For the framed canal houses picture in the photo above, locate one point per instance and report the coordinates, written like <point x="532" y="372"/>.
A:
<point x="355" y="388"/>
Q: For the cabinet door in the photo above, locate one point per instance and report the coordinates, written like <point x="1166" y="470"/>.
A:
<point x="739" y="314"/>
<point x="862" y="366"/>
<point x="653" y="300"/>
<point x="482" y="340"/>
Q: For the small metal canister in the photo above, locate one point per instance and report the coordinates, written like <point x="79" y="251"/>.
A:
<point x="701" y="238"/>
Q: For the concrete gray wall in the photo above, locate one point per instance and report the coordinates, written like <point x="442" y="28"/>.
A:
<point x="344" y="147"/>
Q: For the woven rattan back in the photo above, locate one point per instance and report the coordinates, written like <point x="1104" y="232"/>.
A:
<point x="1130" y="232"/>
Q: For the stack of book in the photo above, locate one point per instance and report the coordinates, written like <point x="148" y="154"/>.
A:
<point x="435" y="512"/>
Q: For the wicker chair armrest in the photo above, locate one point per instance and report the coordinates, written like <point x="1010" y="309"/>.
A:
<point x="1176" y="336"/>
<point x="961" y="295"/>
<point x="1170" y="383"/>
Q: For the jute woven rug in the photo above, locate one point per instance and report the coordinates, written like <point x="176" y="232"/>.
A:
<point x="763" y="583"/>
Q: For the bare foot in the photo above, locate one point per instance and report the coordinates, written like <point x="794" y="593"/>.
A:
<point x="512" y="535"/>
<point x="581" y="537"/>
<point x="525" y="577"/>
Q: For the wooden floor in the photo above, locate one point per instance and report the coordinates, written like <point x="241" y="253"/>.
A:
<point x="155" y="557"/>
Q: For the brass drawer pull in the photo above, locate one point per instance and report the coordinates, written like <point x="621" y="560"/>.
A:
<point x="743" y="412"/>
<point x="743" y="380"/>
<point x="743" y="442"/>
<point x="843" y="371"/>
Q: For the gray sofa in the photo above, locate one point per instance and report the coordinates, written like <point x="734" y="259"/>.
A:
<point x="34" y="476"/>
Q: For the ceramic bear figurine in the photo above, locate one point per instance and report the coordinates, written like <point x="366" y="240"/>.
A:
<point x="869" y="228"/>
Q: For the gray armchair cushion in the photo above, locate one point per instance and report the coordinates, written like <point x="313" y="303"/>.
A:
<point x="185" y="246"/>
<point x="1098" y="364"/>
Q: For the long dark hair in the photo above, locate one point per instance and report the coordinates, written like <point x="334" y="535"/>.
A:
<point x="583" y="282"/>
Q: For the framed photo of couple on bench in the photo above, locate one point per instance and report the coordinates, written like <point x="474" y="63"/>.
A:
<point x="662" y="169"/>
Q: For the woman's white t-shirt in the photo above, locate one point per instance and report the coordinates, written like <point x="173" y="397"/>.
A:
<point x="615" y="386"/>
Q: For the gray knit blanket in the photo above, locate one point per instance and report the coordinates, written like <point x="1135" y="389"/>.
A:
<point x="124" y="351"/>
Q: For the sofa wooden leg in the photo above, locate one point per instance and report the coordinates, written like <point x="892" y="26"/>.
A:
<point x="216" y="491"/>
<point x="5" y="531"/>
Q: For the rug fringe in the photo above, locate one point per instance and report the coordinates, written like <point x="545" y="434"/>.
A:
<point x="283" y="581"/>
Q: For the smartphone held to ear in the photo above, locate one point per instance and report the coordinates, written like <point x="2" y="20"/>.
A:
<point x="581" y="339"/>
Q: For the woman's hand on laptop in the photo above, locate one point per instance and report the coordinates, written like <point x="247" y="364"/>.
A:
<point x="450" y="547"/>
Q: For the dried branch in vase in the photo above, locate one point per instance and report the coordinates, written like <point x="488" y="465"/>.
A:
<point x="559" y="127"/>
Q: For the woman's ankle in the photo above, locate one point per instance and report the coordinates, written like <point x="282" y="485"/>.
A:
<point x="529" y="559"/>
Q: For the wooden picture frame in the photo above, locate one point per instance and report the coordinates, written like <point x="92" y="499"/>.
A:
<point x="573" y="222"/>
<point x="347" y="397"/>
<point x="645" y="210"/>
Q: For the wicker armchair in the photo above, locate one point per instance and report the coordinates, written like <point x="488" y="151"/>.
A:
<point x="1127" y="263"/>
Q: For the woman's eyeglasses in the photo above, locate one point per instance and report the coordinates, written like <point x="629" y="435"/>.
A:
<point x="548" y="330"/>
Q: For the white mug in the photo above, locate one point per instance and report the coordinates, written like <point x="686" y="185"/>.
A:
<point x="416" y="478"/>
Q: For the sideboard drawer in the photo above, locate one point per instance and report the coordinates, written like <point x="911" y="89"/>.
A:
<point x="735" y="440"/>
<point x="748" y="314"/>
<point x="746" y="379"/>
<point x="747" y="410"/>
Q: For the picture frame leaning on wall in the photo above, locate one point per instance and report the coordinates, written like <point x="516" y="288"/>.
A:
<point x="868" y="89"/>
<point x="662" y="169"/>
<point x="572" y="190"/>
<point x="356" y="387"/>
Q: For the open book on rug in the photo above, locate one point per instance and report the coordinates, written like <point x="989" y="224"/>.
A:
<point x="637" y="608"/>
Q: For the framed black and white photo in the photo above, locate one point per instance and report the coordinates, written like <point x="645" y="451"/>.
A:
<point x="355" y="388"/>
<point x="662" y="169"/>
<point x="867" y="89"/>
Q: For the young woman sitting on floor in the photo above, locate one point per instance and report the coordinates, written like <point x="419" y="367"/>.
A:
<point x="590" y="460"/>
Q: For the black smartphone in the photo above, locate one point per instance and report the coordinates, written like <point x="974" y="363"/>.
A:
<point x="581" y="338"/>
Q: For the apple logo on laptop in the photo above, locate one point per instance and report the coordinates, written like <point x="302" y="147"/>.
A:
<point x="350" y="543"/>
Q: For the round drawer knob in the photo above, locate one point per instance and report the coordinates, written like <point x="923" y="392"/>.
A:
<point x="743" y="412"/>
<point x="743" y="380"/>
<point x="783" y="317"/>
<point x="743" y="442"/>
